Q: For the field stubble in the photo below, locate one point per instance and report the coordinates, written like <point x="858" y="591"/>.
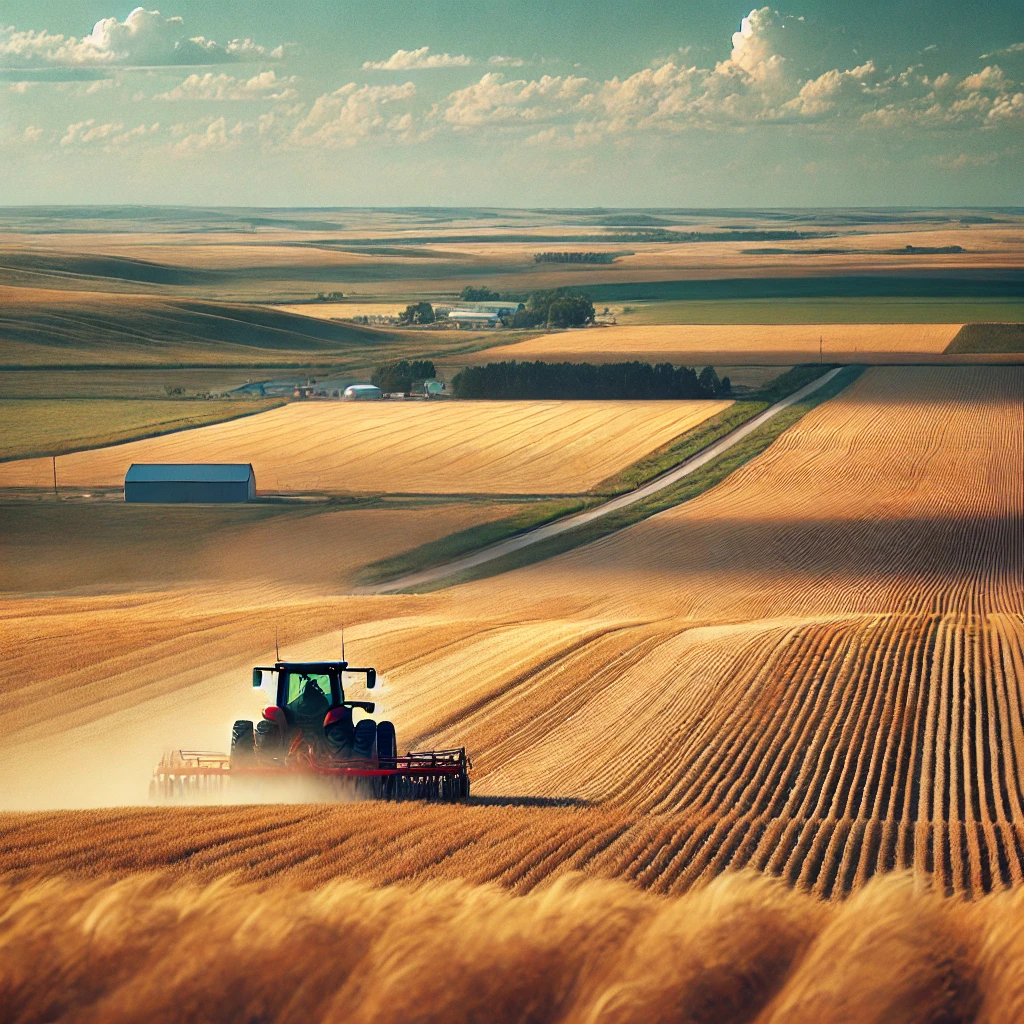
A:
<point x="405" y="447"/>
<point x="812" y="670"/>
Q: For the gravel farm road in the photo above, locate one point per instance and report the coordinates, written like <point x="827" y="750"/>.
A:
<point x="560" y="526"/>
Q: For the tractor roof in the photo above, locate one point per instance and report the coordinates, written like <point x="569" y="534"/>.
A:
<point x="309" y="666"/>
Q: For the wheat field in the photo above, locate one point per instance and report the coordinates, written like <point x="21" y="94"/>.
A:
<point x="754" y="758"/>
<point x="404" y="447"/>
<point x="692" y="344"/>
<point x="741" y="949"/>
<point x="812" y="670"/>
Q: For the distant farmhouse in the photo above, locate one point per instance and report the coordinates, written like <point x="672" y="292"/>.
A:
<point x="482" y="314"/>
<point x="205" y="483"/>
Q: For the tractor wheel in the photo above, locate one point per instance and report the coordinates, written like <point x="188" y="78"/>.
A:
<point x="268" y="741"/>
<point x="243" y="744"/>
<point x="387" y="742"/>
<point x="365" y="737"/>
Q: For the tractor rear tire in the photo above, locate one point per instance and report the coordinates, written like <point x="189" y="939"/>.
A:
<point x="387" y="742"/>
<point x="243" y="744"/>
<point x="365" y="738"/>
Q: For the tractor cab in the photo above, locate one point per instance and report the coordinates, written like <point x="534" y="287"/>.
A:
<point x="309" y="703"/>
<point x="304" y="690"/>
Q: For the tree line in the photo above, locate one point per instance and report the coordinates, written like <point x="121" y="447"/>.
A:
<point x="402" y="374"/>
<point x="575" y="257"/>
<point x="635" y="380"/>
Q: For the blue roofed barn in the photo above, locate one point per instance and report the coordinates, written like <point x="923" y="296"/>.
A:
<point x="203" y="483"/>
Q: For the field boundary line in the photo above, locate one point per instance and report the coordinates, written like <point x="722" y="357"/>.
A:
<point x="555" y="529"/>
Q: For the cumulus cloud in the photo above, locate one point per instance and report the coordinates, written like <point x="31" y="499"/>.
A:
<point x="493" y="101"/>
<point x="499" y="61"/>
<point x="354" y="112"/>
<point x="417" y="60"/>
<point x="989" y="78"/>
<point x="266" y="85"/>
<point x="108" y="135"/>
<point x="144" y="39"/>
<point x="772" y="75"/>
<point x="216" y="136"/>
<point x="1007" y="107"/>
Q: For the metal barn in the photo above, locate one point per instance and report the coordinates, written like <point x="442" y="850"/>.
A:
<point x="204" y="483"/>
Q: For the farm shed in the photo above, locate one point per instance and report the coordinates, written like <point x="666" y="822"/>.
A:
<point x="362" y="393"/>
<point x="473" y="317"/>
<point x="206" y="483"/>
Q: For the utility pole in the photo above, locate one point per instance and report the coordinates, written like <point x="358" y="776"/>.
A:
<point x="56" y="497"/>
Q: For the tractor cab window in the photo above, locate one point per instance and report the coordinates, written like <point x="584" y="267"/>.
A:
<point x="308" y="694"/>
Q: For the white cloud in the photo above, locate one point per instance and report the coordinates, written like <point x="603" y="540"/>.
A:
<point x="1008" y="107"/>
<point x="493" y="101"/>
<point x="100" y="85"/>
<point x="499" y="61"/>
<point x="990" y="78"/>
<point x="417" y="60"/>
<point x="32" y="134"/>
<point x="216" y="136"/>
<point x="771" y="76"/>
<point x="1007" y="50"/>
<point x="144" y="38"/>
<point x="109" y="135"/>
<point x="355" y="112"/>
<point x="962" y="161"/>
<point x="266" y="85"/>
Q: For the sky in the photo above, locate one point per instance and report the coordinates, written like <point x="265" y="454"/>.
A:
<point x="512" y="103"/>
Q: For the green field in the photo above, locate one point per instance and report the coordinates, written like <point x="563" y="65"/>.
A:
<point x="866" y="310"/>
<point x="30" y="427"/>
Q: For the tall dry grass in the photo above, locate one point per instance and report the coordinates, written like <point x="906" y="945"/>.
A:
<point x="741" y="949"/>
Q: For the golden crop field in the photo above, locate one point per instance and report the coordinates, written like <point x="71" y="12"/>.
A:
<point x="342" y="310"/>
<point x="742" y="949"/>
<point x="691" y="344"/>
<point x="810" y="670"/>
<point x="404" y="447"/>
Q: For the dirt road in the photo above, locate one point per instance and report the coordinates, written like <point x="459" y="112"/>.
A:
<point x="524" y="540"/>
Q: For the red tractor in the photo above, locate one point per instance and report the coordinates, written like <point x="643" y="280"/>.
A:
<point x="309" y="731"/>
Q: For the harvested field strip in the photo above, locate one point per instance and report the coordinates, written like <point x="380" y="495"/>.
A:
<point x="729" y="343"/>
<point x="472" y="448"/>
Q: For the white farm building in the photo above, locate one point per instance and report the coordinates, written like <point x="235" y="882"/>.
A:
<point x="362" y="393"/>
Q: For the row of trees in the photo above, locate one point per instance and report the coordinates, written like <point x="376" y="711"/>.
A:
<point x="574" y="257"/>
<point x="559" y="307"/>
<point x="402" y="374"/>
<point x="482" y="294"/>
<point x="634" y="380"/>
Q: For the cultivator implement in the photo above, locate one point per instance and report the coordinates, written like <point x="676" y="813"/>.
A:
<point x="437" y="775"/>
<point x="309" y="746"/>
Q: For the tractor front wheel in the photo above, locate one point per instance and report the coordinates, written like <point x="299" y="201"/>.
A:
<point x="243" y="744"/>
